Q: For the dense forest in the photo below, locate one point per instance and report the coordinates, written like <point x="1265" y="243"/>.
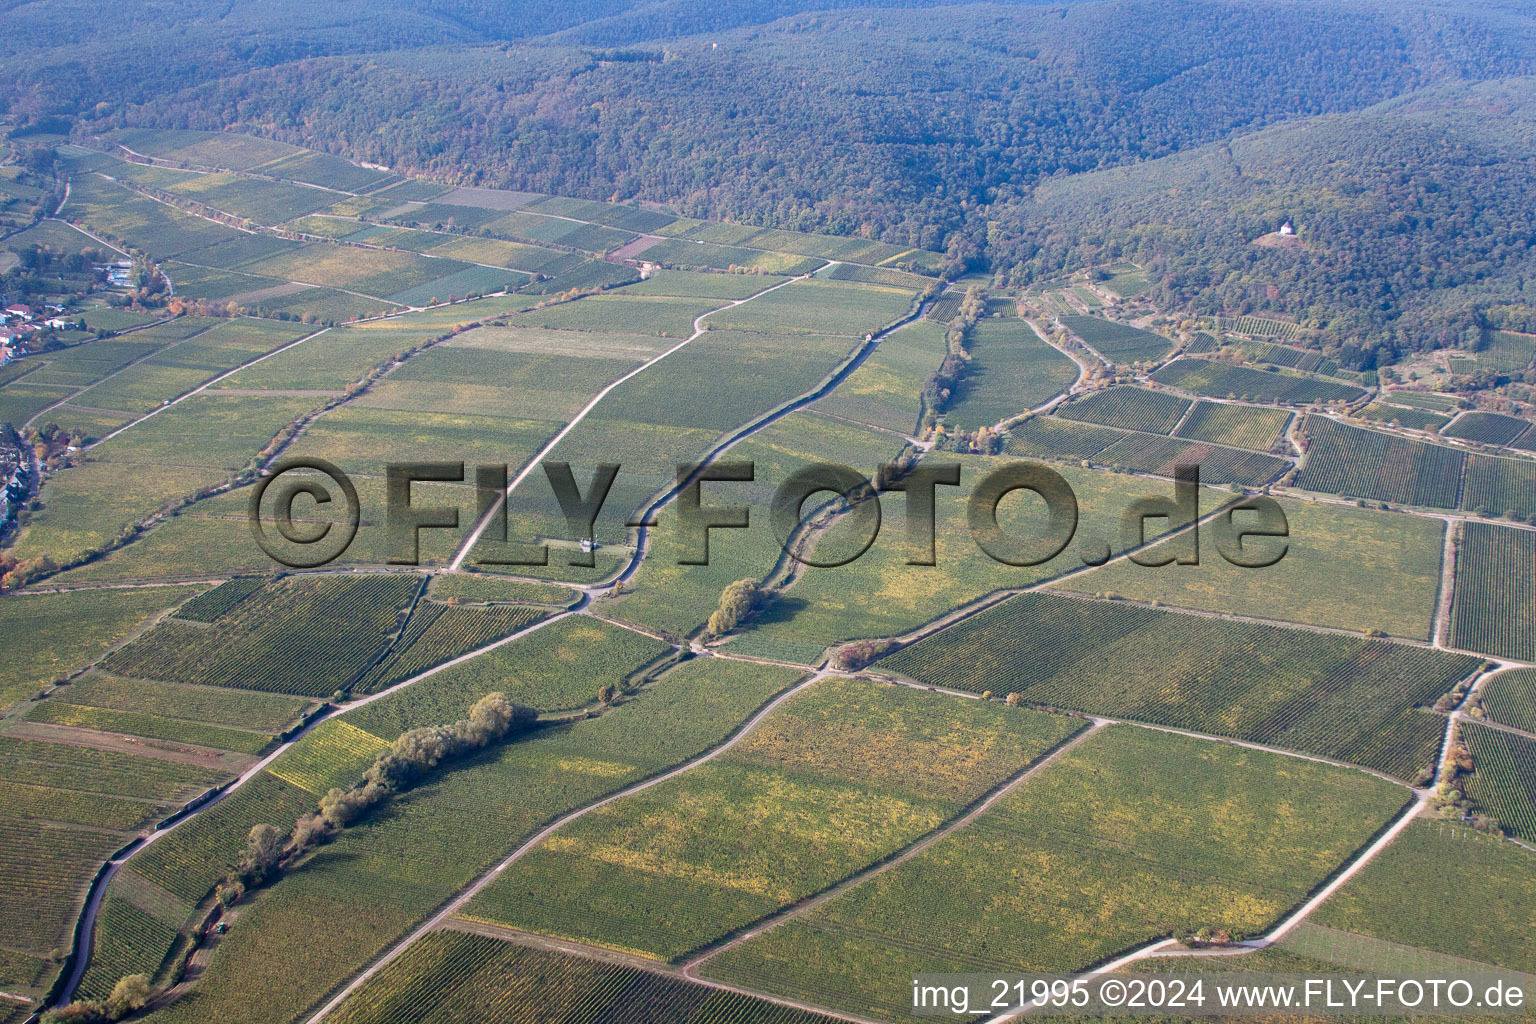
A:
<point x="976" y="129"/>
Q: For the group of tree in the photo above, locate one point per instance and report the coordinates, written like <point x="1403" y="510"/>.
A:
<point x="940" y="386"/>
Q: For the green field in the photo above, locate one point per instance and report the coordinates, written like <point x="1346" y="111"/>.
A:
<point x="1162" y="456"/>
<point x="69" y="631"/>
<point x="385" y="874"/>
<point x="819" y="307"/>
<point x="1500" y="486"/>
<point x="557" y="667"/>
<point x="1156" y="412"/>
<point x="1486" y="427"/>
<point x="1223" y="380"/>
<point x="879" y="594"/>
<point x="1480" y="909"/>
<point x="1509" y="698"/>
<point x="1130" y="836"/>
<point x="837" y="778"/>
<point x="1378" y="466"/>
<point x="885" y="391"/>
<point x="1392" y="584"/>
<point x="1356" y="700"/>
<point x="1504" y="783"/>
<point x="1119" y="343"/>
<point x="454" y="975"/>
<point x="302" y="635"/>
<point x="1051" y="437"/>
<point x="1011" y="371"/>
<point x="1238" y="425"/>
<point x="1414" y="419"/>
<point x="1495" y="605"/>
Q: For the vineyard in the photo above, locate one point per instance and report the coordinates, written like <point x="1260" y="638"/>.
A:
<point x="448" y="976"/>
<point x="1011" y="371"/>
<point x="437" y="633"/>
<point x="1294" y="359"/>
<point x="134" y="723"/>
<point x="187" y="861"/>
<point x="1504" y="783"/>
<point x="1155" y="412"/>
<point x="334" y="754"/>
<point x="1413" y="419"/>
<point x="131" y="941"/>
<point x="557" y="667"/>
<point x="1119" y="343"/>
<point x="1050" y="437"/>
<point x="1381" y="467"/>
<point x="210" y="605"/>
<point x="1237" y="425"/>
<point x="1258" y="327"/>
<point x="1223" y="380"/>
<point x="1129" y="837"/>
<point x="1161" y="456"/>
<point x="1481" y="910"/>
<point x="836" y="779"/>
<point x="1203" y="343"/>
<point x="1486" y="428"/>
<point x="376" y="880"/>
<point x="243" y="709"/>
<point x="1495" y="604"/>
<point x="1500" y="486"/>
<point x="1509" y="698"/>
<point x="1356" y="700"/>
<point x="301" y="635"/>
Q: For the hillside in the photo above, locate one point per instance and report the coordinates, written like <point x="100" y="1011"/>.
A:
<point x="1413" y="217"/>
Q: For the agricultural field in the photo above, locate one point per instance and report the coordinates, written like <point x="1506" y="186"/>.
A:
<point x="382" y="876"/>
<point x="471" y="588"/>
<point x="1378" y="466"/>
<point x="1240" y="426"/>
<point x="1500" y="487"/>
<point x="1489" y="428"/>
<point x="1131" y="835"/>
<point x="1258" y="327"/>
<point x="666" y="871"/>
<point x="880" y="594"/>
<point x="447" y="975"/>
<point x="1495" y="605"/>
<point x="557" y="667"/>
<point x="306" y="636"/>
<point x="1509" y="698"/>
<point x="1119" y="343"/>
<point x="819" y="307"/>
<point x="1353" y="699"/>
<point x="1052" y="437"/>
<point x="1481" y="911"/>
<point x="1392" y="584"/>
<point x="68" y="631"/>
<point x="1011" y="371"/>
<point x="1398" y="416"/>
<point x="1161" y="456"/>
<point x="1504" y="782"/>
<point x="886" y="390"/>
<point x="1128" y="408"/>
<point x="678" y="598"/>
<point x="1223" y="380"/>
<point x="69" y="806"/>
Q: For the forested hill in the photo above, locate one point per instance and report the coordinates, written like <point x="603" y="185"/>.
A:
<point x="1415" y="221"/>
<point x="895" y="122"/>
